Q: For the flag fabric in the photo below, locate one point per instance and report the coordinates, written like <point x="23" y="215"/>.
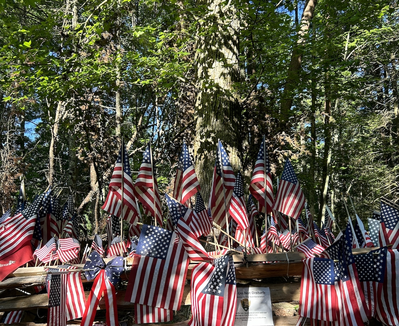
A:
<point x="252" y="214"/>
<point x="97" y="245"/>
<point x="371" y="271"/>
<point x="56" y="315"/>
<point x="113" y="227"/>
<point x="237" y="207"/>
<point x="70" y="229"/>
<point x="48" y="252"/>
<point x="288" y="239"/>
<point x="260" y="176"/>
<point x="389" y="227"/>
<point x="329" y="218"/>
<point x="223" y="182"/>
<point x="134" y="230"/>
<point x="230" y="295"/>
<point x="146" y="314"/>
<point x="374" y="230"/>
<point x="5" y="216"/>
<point x="387" y="305"/>
<point x="146" y="188"/>
<point x="190" y="184"/>
<point x="122" y="179"/>
<point x="201" y="223"/>
<point x="245" y="237"/>
<point x="320" y="236"/>
<point x="159" y="257"/>
<point x="362" y="236"/>
<point x="17" y="258"/>
<point x="13" y="317"/>
<point x="272" y="234"/>
<point x="310" y="248"/>
<point x="301" y="227"/>
<point x="318" y="297"/>
<point x="105" y="281"/>
<point x="21" y="198"/>
<point x="68" y="249"/>
<point x="354" y="307"/>
<point x="116" y="248"/>
<point x="48" y="221"/>
<point x="207" y="293"/>
<point x="289" y="199"/>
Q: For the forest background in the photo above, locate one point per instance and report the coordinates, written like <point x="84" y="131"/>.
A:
<point x="317" y="78"/>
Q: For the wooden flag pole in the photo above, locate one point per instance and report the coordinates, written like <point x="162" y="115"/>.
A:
<point x="228" y="235"/>
<point x="122" y="185"/>
<point x="153" y="188"/>
<point x="224" y="194"/>
<point x="265" y="185"/>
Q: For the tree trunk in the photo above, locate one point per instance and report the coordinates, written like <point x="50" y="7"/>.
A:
<point x="59" y="112"/>
<point x="296" y="61"/>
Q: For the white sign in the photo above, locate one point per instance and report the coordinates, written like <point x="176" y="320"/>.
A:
<point x="254" y="307"/>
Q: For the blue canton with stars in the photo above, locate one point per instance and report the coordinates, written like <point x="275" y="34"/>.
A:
<point x="186" y="158"/>
<point x="223" y="154"/>
<point x="288" y="173"/>
<point x="389" y="216"/>
<point x="217" y="281"/>
<point x="176" y="210"/>
<point x="154" y="242"/>
<point x="231" y="274"/>
<point x="5" y="216"/>
<point x="374" y="229"/>
<point x="323" y="271"/>
<point x="147" y="155"/>
<point x="125" y="163"/>
<point x="263" y="155"/>
<point x="95" y="263"/>
<point x="199" y="203"/>
<point x="239" y="187"/>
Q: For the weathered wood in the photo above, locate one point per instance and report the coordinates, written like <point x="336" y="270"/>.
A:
<point x="279" y="292"/>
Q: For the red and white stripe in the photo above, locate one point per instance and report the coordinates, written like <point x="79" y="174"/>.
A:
<point x="219" y="201"/>
<point x="147" y="281"/>
<point x="14" y="233"/>
<point x="146" y="197"/>
<point x="146" y="314"/>
<point x="116" y="249"/>
<point x="56" y="316"/>
<point x="238" y="211"/>
<point x="13" y="317"/>
<point x="290" y="199"/>
<point x="75" y="296"/>
<point x="258" y="189"/>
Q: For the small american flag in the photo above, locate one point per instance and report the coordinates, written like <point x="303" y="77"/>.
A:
<point x="121" y="178"/>
<point x="389" y="227"/>
<point x="116" y="248"/>
<point x="318" y="297"/>
<point x="252" y="215"/>
<point x="13" y="317"/>
<point x="320" y="236"/>
<point x="146" y="314"/>
<point x="57" y="300"/>
<point x="310" y="248"/>
<point x="146" y="188"/>
<point x="158" y="258"/>
<point x="48" y="252"/>
<point x="190" y="184"/>
<point x="202" y="223"/>
<point x="230" y="296"/>
<point x="97" y="245"/>
<point x="237" y="208"/>
<point x="301" y="227"/>
<point x="207" y="293"/>
<point x="374" y="230"/>
<point x="68" y="249"/>
<point x="289" y="199"/>
<point x="260" y="175"/>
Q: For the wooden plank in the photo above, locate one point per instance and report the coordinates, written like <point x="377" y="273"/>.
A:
<point x="280" y="292"/>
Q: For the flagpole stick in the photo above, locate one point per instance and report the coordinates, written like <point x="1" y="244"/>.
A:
<point x="214" y="239"/>
<point x="265" y="184"/>
<point x="350" y="222"/>
<point x="153" y="187"/>
<point x="228" y="235"/>
<point x="216" y="244"/>
<point x="224" y="193"/>
<point x="122" y="185"/>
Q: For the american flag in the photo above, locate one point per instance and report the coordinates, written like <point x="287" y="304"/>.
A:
<point x="252" y="214"/>
<point x="13" y="317"/>
<point x="121" y="178"/>
<point x="15" y="232"/>
<point x="202" y="223"/>
<point x="97" y="245"/>
<point x="374" y="230"/>
<point x="105" y="281"/>
<point x="237" y="208"/>
<point x="48" y="252"/>
<point x="5" y="216"/>
<point x="21" y="198"/>
<point x="134" y="230"/>
<point x="318" y="297"/>
<point x="371" y="270"/>
<point x="289" y="199"/>
<point x="182" y="216"/>
<point x="288" y="239"/>
<point x="146" y="314"/>
<point x="230" y="296"/>
<point x="68" y="249"/>
<point x="146" y="186"/>
<point x="354" y="306"/>
<point x="70" y="228"/>
<point x="320" y="236"/>
<point x="116" y="248"/>
<point x="222" y="187"/>
<point x="113" y="227"/>
<point x="207" y="293"/>
<point x="245" y="237"/>
<point x="362" y="236"/>
<point x="260" y="175"/>
<point x="272" y="234"/>
<point x="301" y="227"/>
<point x="56" y="315"/>
<point x="310" y="248"/>
<point x="48" y="221"/>
<point x="190" y="184"/>
<point x="387" y="305"/>
<point x="329" y="218"/>
<point x="389" y="227"/>
<point x="158" y="258"/>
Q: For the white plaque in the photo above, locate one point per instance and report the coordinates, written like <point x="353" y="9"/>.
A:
<point x="254" y="307"/>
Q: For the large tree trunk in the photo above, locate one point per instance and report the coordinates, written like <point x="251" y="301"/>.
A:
<point x="296" y="61"/>
<point x="59" y="112"/>
<point x="217" y="109"/>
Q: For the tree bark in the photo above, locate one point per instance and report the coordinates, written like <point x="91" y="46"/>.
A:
<point x="59" y="112"/>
